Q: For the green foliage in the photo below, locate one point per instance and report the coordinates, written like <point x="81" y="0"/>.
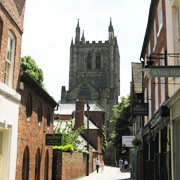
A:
<point x="104" y="145"/>
<point x="136" y="142"/>
<point x="69" y="136"/>
<point x="29" y="66"/>
<point x="66" y="148"/>
<point x="120" y="124"/>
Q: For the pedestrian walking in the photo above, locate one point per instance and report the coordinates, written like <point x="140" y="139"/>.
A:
<point x="126" y="164"/>
<point x="120" y="164"/>
<point x="102" y="166"/>
<point x="97" y="164"/>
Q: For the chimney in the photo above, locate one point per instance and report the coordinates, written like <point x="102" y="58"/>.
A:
<point x="79" y="113"/>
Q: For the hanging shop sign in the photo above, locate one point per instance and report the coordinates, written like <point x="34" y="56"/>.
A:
<point x="127" y="141"/>
<point x="53" y="139"/>
<point x="140" y="109"/>
<point x="164" y="71"/>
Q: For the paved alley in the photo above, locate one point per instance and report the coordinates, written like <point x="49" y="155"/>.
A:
<point x="110" y="173"/>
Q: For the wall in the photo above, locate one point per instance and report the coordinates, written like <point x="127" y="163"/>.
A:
<point x="32" y="134"/>
<point x="68" y="166"/>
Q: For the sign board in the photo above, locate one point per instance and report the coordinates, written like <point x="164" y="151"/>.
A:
<point x="127" y="141"/>
<point x="140" y="109"/>
<point x="164" y="71"/>
<point x="53" y="139"/>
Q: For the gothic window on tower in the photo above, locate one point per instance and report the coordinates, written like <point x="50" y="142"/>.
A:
<point x="84" y="92"/>
<point x="89" y="62"/>
<point x="98" y="61"/>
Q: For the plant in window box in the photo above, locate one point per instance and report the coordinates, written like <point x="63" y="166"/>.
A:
<point x="136" y="142"/>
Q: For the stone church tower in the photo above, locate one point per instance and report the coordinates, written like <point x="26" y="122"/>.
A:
<point x="94" y="72"/>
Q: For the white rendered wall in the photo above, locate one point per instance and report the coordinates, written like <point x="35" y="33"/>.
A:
<point x="9" y="110"/>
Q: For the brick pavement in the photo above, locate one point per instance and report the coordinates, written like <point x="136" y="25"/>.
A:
<point x="110" y="173"/>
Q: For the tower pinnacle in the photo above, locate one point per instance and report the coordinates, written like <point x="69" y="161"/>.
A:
<point x="83" y="38"/>
<point x="77" y="33"/>
<point x="111" y="30"/>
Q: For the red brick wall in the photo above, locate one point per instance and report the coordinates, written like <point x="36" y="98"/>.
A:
<point x="31" y="134"/>
<point x="68" y="166"/>
<point x="12" y="16"/>
<point x="95" y="137"/>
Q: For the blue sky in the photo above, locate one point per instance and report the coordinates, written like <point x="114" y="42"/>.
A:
<point x="49" y="26"/>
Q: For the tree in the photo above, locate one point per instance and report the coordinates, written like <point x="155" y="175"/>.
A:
<point x="121" y="124"/>
<point x="104" y="145"/>
<point x="69" y="136"/>
<point x="29" y="66"/>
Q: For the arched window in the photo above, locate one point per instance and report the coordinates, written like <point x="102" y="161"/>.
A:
<point x="1" y="30"/>
<point x="84" y="92"/>
<point x="39" y="113"/>
<point x="98" y="61"/>
<point x="89" y="62"/>
<point x="37" y="165"/>
<point x="10" y="55"/>
<point x="46" y="168"/>
<point x="48" y="118"/>
<point x="25" y="165"/>
<point x="28" y="107"/>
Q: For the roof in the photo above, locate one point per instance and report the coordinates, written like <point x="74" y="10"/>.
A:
<point x="137" y="77"/>
<point x="69" y="108"/>
<point x="152" y="12"/>
<point x="26" y="78"/>
<point x="63" y="125"/>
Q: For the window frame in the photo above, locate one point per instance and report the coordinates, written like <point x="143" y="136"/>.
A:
<point x="40" y="112"/>
<point x="28" y="107"/>
<point x="160" y="17"/>
<point x="48" y="118"/>
<point x="10" y="58"/>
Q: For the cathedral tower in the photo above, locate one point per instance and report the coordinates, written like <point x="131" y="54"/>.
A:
<point x="94" y="73"/>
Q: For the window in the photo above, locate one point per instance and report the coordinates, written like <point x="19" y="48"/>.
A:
<point x="156" y="94"/>
<point x="48" y="118"/>
<point x="155" y="36"/>
<point x="160" y="17"/>
<point x="145" y="100"/>
<point x="162" y="79"/>
<point x="37" y="165"/>
<point x="47" y="166"/>
<point x="1" y="30"/>
<point x="85" y="92"/>
<point x="25" y="165"/>
<point x="39" y="113"/>
<point x="149" y="98"/>
<point x="89" y="62"/>
<point x="98" y="61"/>
<point x="8" y="76"/>
<point x="28" y="107"/>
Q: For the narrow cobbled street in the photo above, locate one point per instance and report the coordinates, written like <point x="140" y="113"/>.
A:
<point x="110" y="173"/>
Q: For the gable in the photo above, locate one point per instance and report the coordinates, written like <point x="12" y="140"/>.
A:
<point x="85" y="90"/>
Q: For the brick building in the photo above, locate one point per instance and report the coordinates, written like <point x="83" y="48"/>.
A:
<point x="34" y="158"/>
<point x="11" y="30"/>
<point x="156" y="130"/>
<point x="136" y="96"/>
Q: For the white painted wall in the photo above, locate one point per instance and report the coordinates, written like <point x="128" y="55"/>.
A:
<point x="9" y="110"/>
